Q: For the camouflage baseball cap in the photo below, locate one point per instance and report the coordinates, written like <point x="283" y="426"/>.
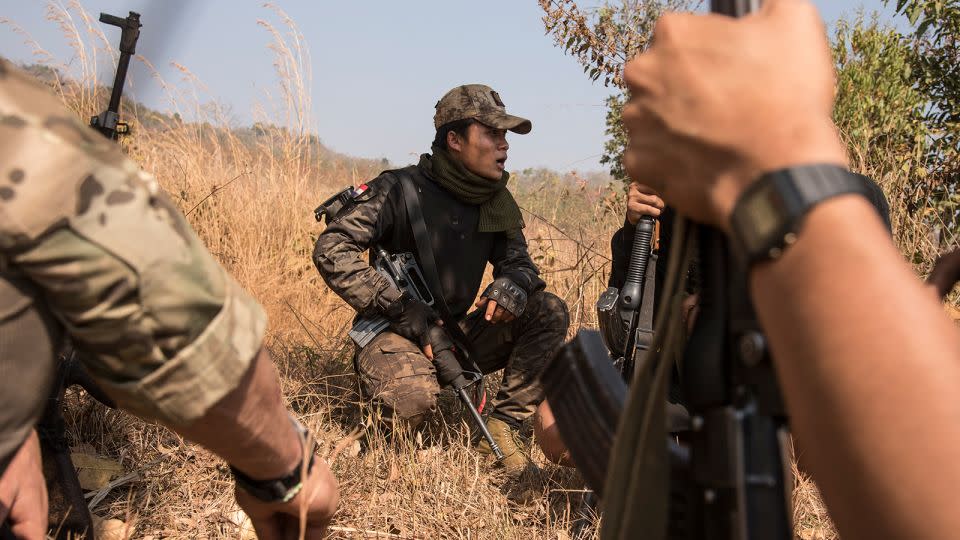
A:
<point x="481" y="103"/>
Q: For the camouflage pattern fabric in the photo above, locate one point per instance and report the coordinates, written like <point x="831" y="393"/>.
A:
<point x="402" y="382"/>
<point x="339" y="254"/>
<point x="88" y="239"/>
<point x="379" y="217"/>
<point x="25" y="326"/>
<point x="481" y="103"/>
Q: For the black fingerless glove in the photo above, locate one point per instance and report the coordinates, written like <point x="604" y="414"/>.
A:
<point x="411" y="318"/>
<point x="449" y="370"/>
<point x="507" y="295"/>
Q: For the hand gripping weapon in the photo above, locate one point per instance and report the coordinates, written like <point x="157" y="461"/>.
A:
<point x="732" y="480"/>
<point x="403" y="272"/>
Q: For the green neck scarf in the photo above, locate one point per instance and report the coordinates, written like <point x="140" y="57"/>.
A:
<point x="498" y="209"/>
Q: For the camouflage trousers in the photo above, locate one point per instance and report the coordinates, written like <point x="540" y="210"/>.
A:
<point x="396" y="376"/>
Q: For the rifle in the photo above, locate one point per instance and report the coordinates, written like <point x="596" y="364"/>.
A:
<point x="108" y="122"/>
<point x="731" y="480"/>
<point x="62" y="476"/>
<point x="621" y="313"/>
<point x="626" y="326"/>
<point x="403" y="272"/>
<point x="584" y="385"/>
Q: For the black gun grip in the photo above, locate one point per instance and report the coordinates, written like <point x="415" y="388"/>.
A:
<point x="632" y="293"/>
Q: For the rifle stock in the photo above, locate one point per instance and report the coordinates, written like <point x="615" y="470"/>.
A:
<point x="587" y="394"/>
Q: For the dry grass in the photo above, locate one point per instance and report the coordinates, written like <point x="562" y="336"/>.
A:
<point x="251" y="199"/>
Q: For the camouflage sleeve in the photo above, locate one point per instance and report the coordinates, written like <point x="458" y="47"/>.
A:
<point x="159" y="323"/>
<point x="339" y="252"/>
<point x="511" y="259"/>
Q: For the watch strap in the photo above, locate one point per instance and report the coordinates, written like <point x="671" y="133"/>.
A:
<point x="285" y="488"/>
<point x="768" y="215"/>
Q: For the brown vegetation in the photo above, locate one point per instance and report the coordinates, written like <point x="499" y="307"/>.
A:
<point x="250" y="195"/>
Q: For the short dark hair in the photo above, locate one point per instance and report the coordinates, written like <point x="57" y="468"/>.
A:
<point x="459" y="127"/>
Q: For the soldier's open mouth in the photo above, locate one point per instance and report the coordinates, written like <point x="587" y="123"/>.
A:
<point x="502" y="162"/>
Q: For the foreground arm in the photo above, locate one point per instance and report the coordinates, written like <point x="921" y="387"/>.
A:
<point x="867" y="362"/>
<point x="874" y="398"/>
<point x="23" y="492"/>
<point x="250" y="429"/>
<point x="164" y="330"/>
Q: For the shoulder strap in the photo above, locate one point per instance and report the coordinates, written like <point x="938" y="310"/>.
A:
<point x="428" y="263"/>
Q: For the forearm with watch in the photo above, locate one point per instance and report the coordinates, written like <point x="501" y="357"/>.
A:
<point x="848" y="323"/>
<point x="253" y="431"/>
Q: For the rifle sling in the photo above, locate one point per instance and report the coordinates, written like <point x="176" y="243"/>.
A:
<point x="427" y="261"/>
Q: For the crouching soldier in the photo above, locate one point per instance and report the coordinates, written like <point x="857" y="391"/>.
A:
<point x="466" y="216"/>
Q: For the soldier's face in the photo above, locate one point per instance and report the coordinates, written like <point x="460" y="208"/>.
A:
<point x="483" y="151"/>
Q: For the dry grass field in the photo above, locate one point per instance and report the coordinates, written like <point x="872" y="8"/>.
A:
<point x="250" y="195"/>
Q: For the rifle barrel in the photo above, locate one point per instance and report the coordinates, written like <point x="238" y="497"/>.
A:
<point x="122" y="65"/>
<point x="462" y="392"/>
<point x="734" y="8"/>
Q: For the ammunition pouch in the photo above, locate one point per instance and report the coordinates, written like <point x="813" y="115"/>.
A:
<point x="339" y="204"/>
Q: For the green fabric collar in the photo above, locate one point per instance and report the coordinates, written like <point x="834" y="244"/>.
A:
<point x="499" y="211"/>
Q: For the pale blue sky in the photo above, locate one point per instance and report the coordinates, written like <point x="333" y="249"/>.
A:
<point x="378" y="66"/>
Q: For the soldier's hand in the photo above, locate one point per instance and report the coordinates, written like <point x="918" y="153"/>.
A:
<point x="449" y="370"/>
<point x="23" y="492"/>
<point x="493" y="312"/>
<point x="642" y="201"/>
<point x="411" y="319"/>
<point x="717" y="101"/>
<point x="502" y="301"/>
<point x="311" y="510"/>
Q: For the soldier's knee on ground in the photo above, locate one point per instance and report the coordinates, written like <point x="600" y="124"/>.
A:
<point x="398" y="379"/>
<point x="549" y="311"/>
<point x="417" y="405"/>
<point x="547" y="434"/>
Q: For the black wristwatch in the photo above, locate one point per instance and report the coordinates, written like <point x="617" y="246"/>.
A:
<point x="769" y="213"/>
<point x="285" y="488"/>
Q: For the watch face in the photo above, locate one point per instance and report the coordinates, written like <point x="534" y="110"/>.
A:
<point x="765" y="213"/>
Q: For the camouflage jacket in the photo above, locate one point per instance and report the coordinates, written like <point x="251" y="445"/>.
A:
<point x="380" y="218"/>
<point x="91" y="247"/>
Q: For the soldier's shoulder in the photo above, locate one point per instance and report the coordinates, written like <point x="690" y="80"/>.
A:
<point x="388" y="180"/>
<point x="53" y="166"/>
